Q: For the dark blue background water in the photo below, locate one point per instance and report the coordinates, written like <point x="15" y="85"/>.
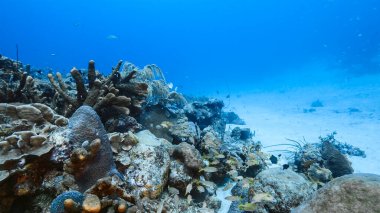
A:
<point x="200" y="44"/>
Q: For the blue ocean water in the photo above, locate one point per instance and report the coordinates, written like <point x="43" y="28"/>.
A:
<point x="270" y="60"/>
<point x="207" y="45"/>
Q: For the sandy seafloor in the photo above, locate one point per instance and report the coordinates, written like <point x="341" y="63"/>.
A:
<point x="351" y="108"/>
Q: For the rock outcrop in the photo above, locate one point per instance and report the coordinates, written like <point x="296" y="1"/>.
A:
<point x="346" y="194"/>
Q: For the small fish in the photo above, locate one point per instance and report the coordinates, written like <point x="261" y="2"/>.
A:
<point x="231" y="162"/>
<point x="189" y="199"/>
<point x="215" y="162"/>
<point x="166" y="124"/>
<point x="252" y="156"/>
<point x="173" y="190"/>
<point x="233" y="198"/>
<point x="201" y="189"/>
<point x="233" y="173"/>
<point x="206" y="210"/>
<point x="204" y="205"/>
<point x="189" y="187"/>
<point x="210" y="169"/>
<point x="247" y="207"/>
<point x="207" y="183"/>
<point x="112" y="37"/>
<point x="262" y="197"/>
<point x="220" y="156"/>
<point x="252" y="162"/>
<point x="228" y="186"/>
<point x="245" y="183"/>
<point x="76" y="25"/>
<point x="273" y="159"/>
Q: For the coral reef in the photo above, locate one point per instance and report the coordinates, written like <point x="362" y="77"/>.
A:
<point x="130" y="142"/>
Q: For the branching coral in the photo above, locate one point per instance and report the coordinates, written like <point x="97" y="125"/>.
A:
<point x="24" y="92"/>
<point x="100" y="94"/>
<point x="15" y="84"/>
<point x="114" y="95"/>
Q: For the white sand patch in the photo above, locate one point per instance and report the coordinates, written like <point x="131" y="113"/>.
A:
<point x="352" y="109"/>
<point x="221" y="195"/>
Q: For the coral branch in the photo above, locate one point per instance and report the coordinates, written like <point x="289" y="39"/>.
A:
<point x="60" y="82"/>
<point x="81" y="90"/>
<point x="93" y="94"/>
<point x="91" y="74"/>
<point x="22" y="83"/>
<point x="114" y="71"/>
<point x="105" y="101"/>
<point x="129" y="77"/>
<point x="60" y="91"/>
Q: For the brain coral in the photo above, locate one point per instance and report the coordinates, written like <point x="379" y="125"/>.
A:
<point x="85" y="125"/>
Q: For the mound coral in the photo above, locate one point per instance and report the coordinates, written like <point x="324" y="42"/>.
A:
<point x="91" y="155"/>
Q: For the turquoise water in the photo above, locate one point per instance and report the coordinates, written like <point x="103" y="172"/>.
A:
<point x="233" y="43"/>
